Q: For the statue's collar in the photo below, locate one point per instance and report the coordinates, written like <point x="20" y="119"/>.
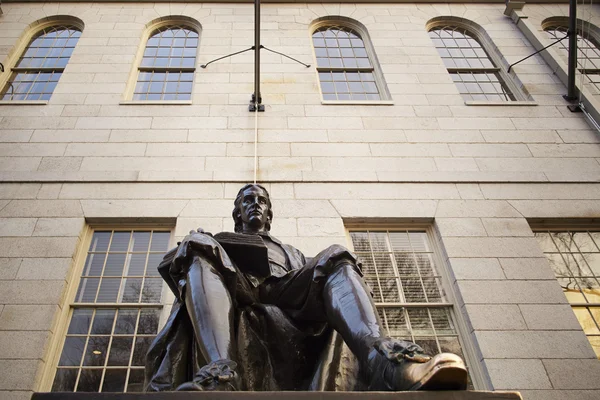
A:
<point x="272" y="238"/>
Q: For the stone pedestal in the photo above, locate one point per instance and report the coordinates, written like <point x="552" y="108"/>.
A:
<point x="447" y="395"/>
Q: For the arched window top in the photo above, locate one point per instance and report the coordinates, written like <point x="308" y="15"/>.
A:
<point x="50" y="47"/>
<point x="340" y="47"/>
<point x="473" y="61"/>
<point x="588" y="42"/>
<point x="171" y="46"/>
<point x="36" y="72"/>
<point x="346" y="61"/>
<point x="459" y="48"/>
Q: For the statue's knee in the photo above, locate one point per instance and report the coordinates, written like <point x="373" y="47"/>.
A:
<point x="200" y="265"/>
<point x="344" y="267"/>
<point x="336" y="248"/>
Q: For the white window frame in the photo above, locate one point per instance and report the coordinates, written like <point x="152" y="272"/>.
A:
<point x="75" y="275"/>
<point x="23" y="42"/>
<point x="512" y="82"/>
<point x="569" y="226"/>
<point x="592" y="35"/>
<point x="151" y="27"/>
<point x="361" y="30"/>
<point x="466" y="338"/>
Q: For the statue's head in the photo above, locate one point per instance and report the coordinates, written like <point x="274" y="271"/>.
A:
<point x="252" y="209"/>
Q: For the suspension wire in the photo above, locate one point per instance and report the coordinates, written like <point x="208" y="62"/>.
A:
<point x="255" y="138"/>
<point x="585" y="37"/>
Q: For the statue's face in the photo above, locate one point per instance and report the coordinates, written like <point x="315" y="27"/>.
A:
<point x="254" y="209"/>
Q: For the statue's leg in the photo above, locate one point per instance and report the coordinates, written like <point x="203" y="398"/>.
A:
<point x="389" y="364"/>
<point x="350" y="309"/>
<point x="211" y="312"/>
<point x="210" y="308"/>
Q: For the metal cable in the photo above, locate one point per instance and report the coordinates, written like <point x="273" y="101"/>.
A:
<point x="255" y="138"/>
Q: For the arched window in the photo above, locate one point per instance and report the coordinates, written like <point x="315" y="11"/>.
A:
<point x="346" y="64"/>
<point x="42" y="63"/>
<point x="472" y="63"/>
<point x="588" y="48"/>
<point x="166" y="70"/>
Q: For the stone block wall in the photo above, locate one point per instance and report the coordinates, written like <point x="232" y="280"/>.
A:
<point x="476" y="174"/>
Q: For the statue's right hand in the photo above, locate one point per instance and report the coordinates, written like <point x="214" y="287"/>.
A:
<point x="186" y="242"/>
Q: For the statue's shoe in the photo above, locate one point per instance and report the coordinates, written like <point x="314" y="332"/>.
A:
<point x="216" y="376"/>
<point x="412" y="370"/>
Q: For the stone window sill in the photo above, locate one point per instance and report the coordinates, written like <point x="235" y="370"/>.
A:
<point x="23" y="102"/>
<point x="500" y="103"/>
<point x="358" y="103"/>
<point x="155" y="102"/>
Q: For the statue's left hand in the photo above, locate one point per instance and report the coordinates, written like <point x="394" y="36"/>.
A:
<point x="199" y="230"/>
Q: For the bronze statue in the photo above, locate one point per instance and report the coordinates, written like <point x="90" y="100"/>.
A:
<point x="255" y="314"/>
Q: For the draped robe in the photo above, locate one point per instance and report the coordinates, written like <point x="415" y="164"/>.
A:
<point x="288" y="347"/>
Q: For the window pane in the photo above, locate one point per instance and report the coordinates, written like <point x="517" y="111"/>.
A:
<point x="459" y="49"/>
<point x="94" y="265"/>
<point x="80" y="321"/>
<point x="72" y="351"/>
<point x="141" y="348"/>
<point x="399" y="267"/>
<point x="86" y="293"/>
<point x="120" y="241"/>
<point x="152" y="290"/>
<point x="126" y="321"/>
<point x="95" y="352"/>
<point x="45" y="50"/>
<point x="148" y="322"/>
<point x="89" y="381"/>
<point x="29" y="85"/>
<point x="160" y="241"/>
<point x="64" y="380"/>
<point x="114" y="264"/>
<point x="574" y="260"/>
<point x="588" y="54"/>
<point x="114" y="380"/>
<point x="428" y="344"/>
<point x="140" y="241"/>
<point x="120" y="351"/>
<point x="136" y="265"/>
<point x="339" y="51"/>
<point x="103" y="321"/>
<point x="153" y="261"/>
<point x="136" y="380"/>
<point x="109" y="289"/>
<point x="104" y="338"/>
<point x="168" y="47"/>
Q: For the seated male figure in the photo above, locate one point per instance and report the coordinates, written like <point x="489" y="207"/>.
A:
<point x="327" y="290"/>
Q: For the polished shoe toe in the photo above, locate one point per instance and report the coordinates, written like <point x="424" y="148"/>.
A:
<point x="444" y="371"/>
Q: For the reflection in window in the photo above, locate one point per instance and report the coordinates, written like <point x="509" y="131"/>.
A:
<point x="399" y="268"/>
<point x="575" y="260"/>
<point x="41" y="65"/>
<point x="588" y="51"/>
<point x="167" y="68"/>
<point x="105" y="347"/>
<point x="471" y="68"/>
<point x="345" y="70"/>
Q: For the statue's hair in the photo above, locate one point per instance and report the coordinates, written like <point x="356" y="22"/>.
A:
<point x="237" y="218"/>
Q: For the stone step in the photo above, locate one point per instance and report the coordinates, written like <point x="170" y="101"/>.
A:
<point x="446" y="395"/>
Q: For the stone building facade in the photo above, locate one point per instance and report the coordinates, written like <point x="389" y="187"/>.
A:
<point x="478" y="183"/>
